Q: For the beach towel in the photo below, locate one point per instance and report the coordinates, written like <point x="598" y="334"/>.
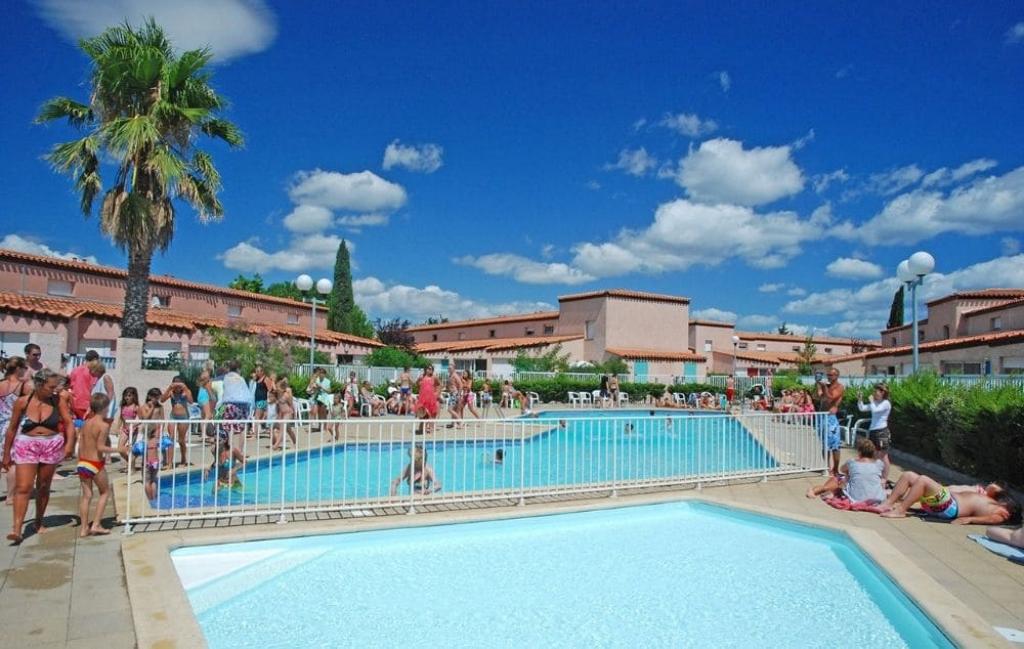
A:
<point x="1013" y="554"/>
<point x="848" y="505"/>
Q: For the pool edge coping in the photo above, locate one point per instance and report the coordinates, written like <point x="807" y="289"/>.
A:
<point x="163" y="615"/>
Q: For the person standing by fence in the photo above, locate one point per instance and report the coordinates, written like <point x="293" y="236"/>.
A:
<point x="878" y="432"/>
<point x="830" y="394"/>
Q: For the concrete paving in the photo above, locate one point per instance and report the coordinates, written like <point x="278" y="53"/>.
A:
<point x="57" y="590"/>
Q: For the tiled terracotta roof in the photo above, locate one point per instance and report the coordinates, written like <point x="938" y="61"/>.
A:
<point x="633" y="295"/>
<point x="989" y="339"/>
<point x="65" y="309"/>
<point x="154" y="280"/>
<point x="655" y="355"/>
<point x="754" y="335"/>
<point x="995" y="307"/>
<point x="983" y="294"/>
<point x="492" y="344"/>
<point x="712" y="323"/>
<point x="521" y="317"/>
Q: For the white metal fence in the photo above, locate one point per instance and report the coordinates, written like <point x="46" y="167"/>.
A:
<point x="334" y="466"/>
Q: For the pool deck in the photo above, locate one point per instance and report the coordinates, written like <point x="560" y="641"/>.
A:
<point x="57" y="590"/>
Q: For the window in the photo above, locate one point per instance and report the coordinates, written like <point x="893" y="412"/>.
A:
<point x="920" y="334"/>
<point x="742" y="345"/>
<point x="708" y="345"/>
<point x="59" y="287"/>
<point x="894" y="341"/>
<point x="345" y="359"/>
<point x="997" y="323"/>
<point x="161" y="301"/>
<point x="945" y="331"/>
<point x="529" y="331"/>
<point x="589" y="329"/>
<point x="972" y="368"/>
<point x="433" y="337"/>
<point x="234" y="311"/>
<point x="796" y="348"/>
<point x="761" y="347"/>
<point x="828" y="350"/>
<point x="462" y="335"/>
<point x="13" y="344"/>
<point x="293" y="318"/>
<point x="491" y="333"/>
<point x="549" y="329"/>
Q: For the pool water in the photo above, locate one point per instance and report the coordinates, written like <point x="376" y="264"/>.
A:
<point x="670" y="575"/>
<point x="608" y="446"/>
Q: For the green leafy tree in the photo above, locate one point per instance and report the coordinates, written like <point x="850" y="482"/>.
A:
<point x="896" y="310"/>
<point x="784" y="330"/>
<point x="252" y="284"/>
<point x="361" y="325"/>
<point x="394" y="357"/>
<point x="147" y="107"/>
<point x="341" y="301"/>
<point x="283" y="289"/>
<point x="805" y="357"/>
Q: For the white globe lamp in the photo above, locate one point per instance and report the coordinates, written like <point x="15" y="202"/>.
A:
<point x="921" y="263"/>
<point x="904" y="273"/>
<point x="303" y="282"/>
<point x="324" y="286"/>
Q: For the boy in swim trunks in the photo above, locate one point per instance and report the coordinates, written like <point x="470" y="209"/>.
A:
<point x="93" y="446"/>
<point x="959" y="504"/>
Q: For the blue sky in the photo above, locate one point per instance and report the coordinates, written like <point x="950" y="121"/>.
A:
<point x="485" y="158"/>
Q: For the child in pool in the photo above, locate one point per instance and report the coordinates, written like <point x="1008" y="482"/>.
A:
<point x="227" y="462"/>
<point x="418" y="474"/>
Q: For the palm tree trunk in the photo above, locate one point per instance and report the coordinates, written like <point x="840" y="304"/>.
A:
<point x="136" y="294"/>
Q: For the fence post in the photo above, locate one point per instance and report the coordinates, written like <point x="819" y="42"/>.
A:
<point x="281" y="520"/>
<point x="522" y="464"/>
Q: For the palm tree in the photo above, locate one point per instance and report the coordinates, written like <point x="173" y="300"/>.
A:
<point x="147" y="107"/>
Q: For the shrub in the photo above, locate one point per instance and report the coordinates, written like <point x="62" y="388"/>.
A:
<point x="394" y="357"/>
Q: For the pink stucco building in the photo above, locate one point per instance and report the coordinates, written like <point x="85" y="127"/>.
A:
<point x="70" y="307"/>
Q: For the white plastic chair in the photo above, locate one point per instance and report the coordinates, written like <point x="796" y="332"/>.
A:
<point x="301" y="408"/>
<point x="680" y="398"/>
<point x="585" y="399"/>
<point x="574" y="399"/>
<point x="534" y="399"/>
<point x="623" y="397"/>
<point x="598" y="399"/>
<point x="365" y="407"/>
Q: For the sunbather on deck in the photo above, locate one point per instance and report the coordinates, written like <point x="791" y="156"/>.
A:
<point x="961" y="504"/>
<point x="1007" y="536"/>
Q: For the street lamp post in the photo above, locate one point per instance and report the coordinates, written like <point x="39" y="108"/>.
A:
<point x="323" y="287"/>
<point x="735" y="344"/>
<point x="911" y="271"/>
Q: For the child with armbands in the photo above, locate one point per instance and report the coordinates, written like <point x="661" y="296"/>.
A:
<point x="151" y="449"/>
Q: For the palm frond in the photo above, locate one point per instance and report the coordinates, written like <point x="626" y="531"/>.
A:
<point x="222" y="129"/>
<point x="74" y="156"/>
<point x="167" y="165"/>
<point x="203" y="163"/>
<point x="77" y="114"/>
<point x="131" y="137"/>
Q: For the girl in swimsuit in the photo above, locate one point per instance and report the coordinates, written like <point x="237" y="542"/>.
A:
<point x="12" y="388"/>
<point x="180" y="397"/>
<point x="418" y="474"/>
<point x="154" y="446"/>
<point x="229" y="460"/>
<point x="129" y="412"/>
<point x="36" y="446"/>
<point x="285" y="413"/>
<point x="153" y="410"/>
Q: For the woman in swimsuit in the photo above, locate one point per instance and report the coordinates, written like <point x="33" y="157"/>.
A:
<point x="180" y="397"/>
<point x="426" y="403"/>
<point x="418" y="474"/>
<point x="12" y="387"/>
<point x="36" y="446"/>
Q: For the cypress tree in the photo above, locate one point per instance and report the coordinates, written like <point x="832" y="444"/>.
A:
<point x="896" y="310"/>
<point x="342" y="300"/>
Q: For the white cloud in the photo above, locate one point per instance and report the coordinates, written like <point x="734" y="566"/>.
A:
<point x="635" y="162"/>
<point x="982" y="206"/>
<point x="821" y="182"/>
<point x="1001" y="271"/>
<point x="724" y="80"/>
<point x="801" y="142"/>
<point x="685" y="233"/>
<point x="862" y="329"/>
<point x="304" y="253"/>
<point x="893" y="180"/>
<point x="757" y="322"/>
<point x="32" y="247"/>
<point x="306" y="219"/>
<point x="525" y="270"/>
<point x="362" y="191"/>
<point x="230" y="28"/>
<point x="689" y="124"/>
<point x="639" y="124"/>
<point x="593" y="185"/>
<point x="1015" y="34"/>
<point x="399" y="300"/>
<point x="770" y="288"/>
<point x="796" y="291"/>
<point x="712" y="313"/>
<point x="425" y="158"/>
<point x="944" y="176"/>
<point x="1009" y="246"/>
<point x="722" y="171"/>
<point x="356" y="221"/>
<point x="850" y="268"/>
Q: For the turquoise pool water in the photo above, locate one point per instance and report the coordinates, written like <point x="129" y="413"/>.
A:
<point x="609" y="445"/>
<point x="671" y="575"/>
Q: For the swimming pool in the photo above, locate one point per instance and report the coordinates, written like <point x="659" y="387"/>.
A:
<point x="669" y="575"/>
<point x="576" y="447"/>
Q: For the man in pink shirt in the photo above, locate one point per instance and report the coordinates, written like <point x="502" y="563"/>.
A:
<point x="81" y="381"/>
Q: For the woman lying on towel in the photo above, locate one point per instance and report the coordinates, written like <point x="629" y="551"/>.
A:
<point x="859" y="480"/>
<point x="1007" y="536"/>
<point x="960" y="504"/>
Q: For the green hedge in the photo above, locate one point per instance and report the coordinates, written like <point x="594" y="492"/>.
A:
<point x="977" y="429"/>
